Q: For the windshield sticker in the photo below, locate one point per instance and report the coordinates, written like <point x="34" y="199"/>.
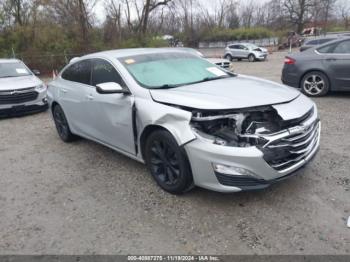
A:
<point x="21" y="71"/>
<point x="130" y="61"/>
<point x="216" y="71"/>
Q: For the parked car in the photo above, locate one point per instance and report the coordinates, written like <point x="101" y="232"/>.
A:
<point x="21" y="92"/>
<point x="320" y="69"/>
<point x="245" y="51"/>
<point x="315" y="42"/>
<point x="224" y="63"/>
<point x="192" y="123"/>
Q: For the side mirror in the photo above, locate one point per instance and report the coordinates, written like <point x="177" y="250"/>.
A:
<point x="111" y="88"/>
<point x="36" y="72"/>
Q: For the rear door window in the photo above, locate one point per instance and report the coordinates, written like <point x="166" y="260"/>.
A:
<point x="342" y="48"/>
<point x="79" y="72"/>
<point x="326" y="49"/>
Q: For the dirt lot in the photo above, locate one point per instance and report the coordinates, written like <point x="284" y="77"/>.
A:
<point x="58" y="198"/>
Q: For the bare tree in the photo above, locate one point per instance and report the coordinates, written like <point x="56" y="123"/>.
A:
<point x="343" y="11"/>
<point x="16" y="11"/>
<point x="247" y="14"/>
<point x="298" y="12"/>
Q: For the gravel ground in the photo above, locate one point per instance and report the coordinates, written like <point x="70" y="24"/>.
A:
<point x="83" y="198"/>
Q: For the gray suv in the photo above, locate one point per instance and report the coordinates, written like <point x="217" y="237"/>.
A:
<point x="192" y="122"/>
<point x="21" y="92"/>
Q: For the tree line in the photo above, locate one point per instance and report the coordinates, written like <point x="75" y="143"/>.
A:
<point x="72" y="27"/>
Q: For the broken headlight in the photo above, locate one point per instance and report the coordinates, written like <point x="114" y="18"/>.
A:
<point x="235" y="129"/>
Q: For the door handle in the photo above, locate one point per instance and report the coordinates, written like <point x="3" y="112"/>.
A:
<point x="332" y="59"/>
<point x="64" y="90"/>
<point x="90" y="97"/>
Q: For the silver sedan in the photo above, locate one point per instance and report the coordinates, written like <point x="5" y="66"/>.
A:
<point x="191" y="122"/>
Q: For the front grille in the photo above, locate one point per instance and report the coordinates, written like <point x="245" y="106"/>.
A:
<point x="287" y="151"/>
<point x="19" y="96"/>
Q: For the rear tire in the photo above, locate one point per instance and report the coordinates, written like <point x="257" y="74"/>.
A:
<point x="315" y="84"/>
<point x="251" y="58"/>
<point x="62" y="126"/>
<point x="168" y="163"/>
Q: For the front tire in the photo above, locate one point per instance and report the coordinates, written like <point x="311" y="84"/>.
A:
<point x="168" y="163"/>
<point x="315" y="84"/>
<point x="62" y="126"/>
<point x="251" y="58"/>
<point x="228" y="57"/>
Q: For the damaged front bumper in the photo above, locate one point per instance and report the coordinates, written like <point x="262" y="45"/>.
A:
<point x="234" y="169"/>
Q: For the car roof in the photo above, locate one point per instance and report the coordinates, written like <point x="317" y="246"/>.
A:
<point x="11" y="60"/>
<point x="322" y="38"/>
<point x="119" y="53"/>
<point x="340" y="39"/>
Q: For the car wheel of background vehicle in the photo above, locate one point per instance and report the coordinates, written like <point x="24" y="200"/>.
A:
<point x="315" y="84"/>
<point x="251" y="58"/>
<point x="228" y="57"/>
<point x="168" y="163"/>
<point x="62" y="126"/>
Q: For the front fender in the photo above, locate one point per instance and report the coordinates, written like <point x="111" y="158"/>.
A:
<point x="175" y="120"/>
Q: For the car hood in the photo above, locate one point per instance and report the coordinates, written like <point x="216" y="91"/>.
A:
<point x="15" y="83"/>
<point x="230" y="93"/>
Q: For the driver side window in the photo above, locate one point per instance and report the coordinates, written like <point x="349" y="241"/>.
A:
<point x="104" y="72"/>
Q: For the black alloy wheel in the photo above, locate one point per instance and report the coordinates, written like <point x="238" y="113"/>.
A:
<point x="168" y="163"/>
<point x="62" y="126"/>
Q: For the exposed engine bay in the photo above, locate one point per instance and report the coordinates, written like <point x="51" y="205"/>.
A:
<point x="237" y="129"/>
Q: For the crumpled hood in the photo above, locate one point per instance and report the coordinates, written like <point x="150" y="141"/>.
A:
<point x="230" y="93"/>
<point x="14" y="83"/>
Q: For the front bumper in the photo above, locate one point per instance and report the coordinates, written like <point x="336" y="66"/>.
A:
<point x="203" y="155"/>
<point x="260" y="56"/>
<point x="40" y="104"/>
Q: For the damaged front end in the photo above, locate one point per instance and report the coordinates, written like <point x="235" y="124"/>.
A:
<point x="284" y="143"/>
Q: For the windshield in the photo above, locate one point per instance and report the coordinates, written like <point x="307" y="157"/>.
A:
<point x="14" y="69"/>
<point x="169" y="70"/>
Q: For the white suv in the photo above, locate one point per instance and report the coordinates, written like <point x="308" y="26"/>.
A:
<point x="21" y="92"/>
<point x="245" y="51"/>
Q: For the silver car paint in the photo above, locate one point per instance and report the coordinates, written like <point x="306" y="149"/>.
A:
<point x="240" y="92"/>
<point x="228" y="93"/>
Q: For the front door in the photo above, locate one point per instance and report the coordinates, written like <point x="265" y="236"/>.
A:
<point x="111" y="113"/>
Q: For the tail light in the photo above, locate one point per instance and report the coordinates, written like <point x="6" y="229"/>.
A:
<point x="289" y="61"/>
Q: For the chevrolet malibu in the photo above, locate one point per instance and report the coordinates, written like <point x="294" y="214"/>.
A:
<point x="191" y="122"/>
<point x="21" y="92"/>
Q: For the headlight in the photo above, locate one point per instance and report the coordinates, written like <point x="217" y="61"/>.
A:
<point x="40" y="88"/>
<point x="209" y="138"/>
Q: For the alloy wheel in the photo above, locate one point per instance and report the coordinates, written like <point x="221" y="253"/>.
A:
<point x="314" y="85"/>
<point x="164" y="162"/>
<point x="61" y="123"/>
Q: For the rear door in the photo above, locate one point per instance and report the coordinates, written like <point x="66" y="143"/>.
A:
<point x="337" y="63"/>
<point x="75" y="84"/>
